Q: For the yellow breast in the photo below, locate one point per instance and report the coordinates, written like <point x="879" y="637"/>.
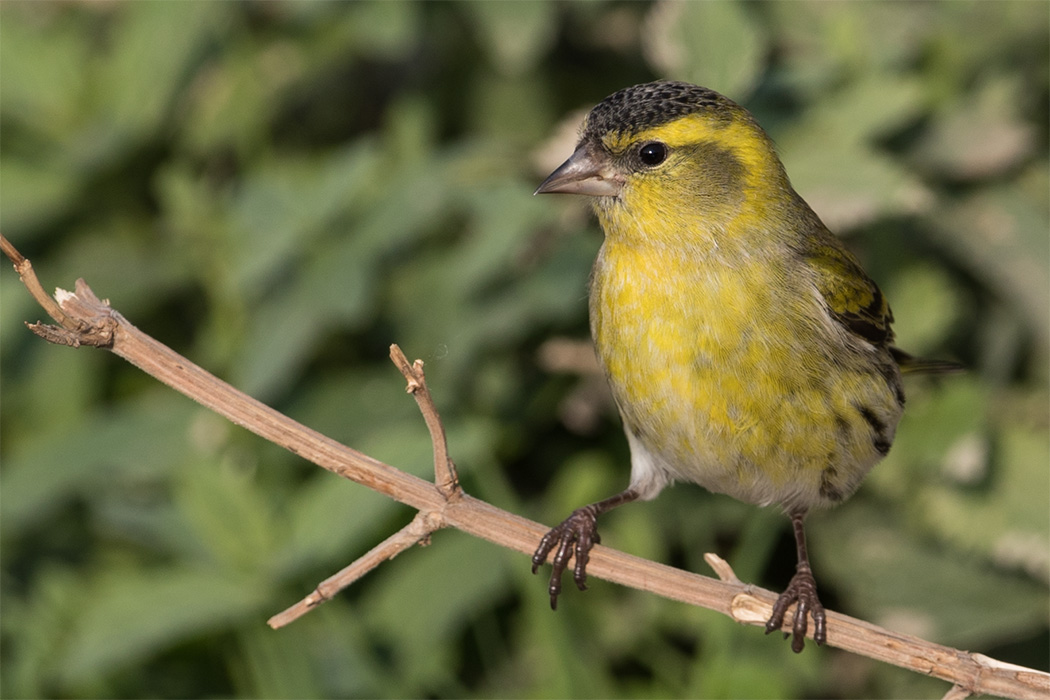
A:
<point x="722" y="379"/>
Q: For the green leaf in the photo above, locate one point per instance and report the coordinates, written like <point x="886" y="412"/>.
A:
<point x="278" y="665"/>
<point x="35" y="192"/>
<point x="153" y="47"/>
<point x="464" y="574"/>
<point x="328" y="519"/>
<point x="133" y="615"/>
<point x="382" y="30"/>
<point x="1000" y="234"/>
<point x="516" y="34"/>
<point x="979" y="135"/>
<point x="139" y="440"/>
<point x="284" y="206"/>
<point x="714" y="44"/>
<point x="938" y="415"/>
<point x="833" y="163"/>
<point x="38" y="623"/>
<point x="926" y="305"/>
<point x="224" y="507"/>
<point x="1003" y="516"/>
<point x="42" y="90"/>
<point x="895" y="579"/>
<point x="823" y="43"/>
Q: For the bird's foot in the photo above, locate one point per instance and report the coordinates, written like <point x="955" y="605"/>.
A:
<point x="576" y="535"/>
<point x="801" y="590"/>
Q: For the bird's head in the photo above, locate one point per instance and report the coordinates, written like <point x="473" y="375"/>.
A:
<point x="670" y="150"/>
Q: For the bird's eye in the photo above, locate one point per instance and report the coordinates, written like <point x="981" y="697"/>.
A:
<point x="652" y="153"/>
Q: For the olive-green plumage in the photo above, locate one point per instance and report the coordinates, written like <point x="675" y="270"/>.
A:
<point x="746" y="348"/>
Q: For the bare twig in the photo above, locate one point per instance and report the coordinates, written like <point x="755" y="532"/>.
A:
<point x="84" y="319"/>
<point x="24" y="268"/>
<point x="721" y="567"/>
<point x="956" y="692"/>
<point x="415" y="532"/>
<point x="421" y="527"/>
<point x="444" y="470"/>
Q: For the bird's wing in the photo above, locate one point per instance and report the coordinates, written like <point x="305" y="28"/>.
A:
<point x="852" y="298"/>
<point x="855" y="301"/>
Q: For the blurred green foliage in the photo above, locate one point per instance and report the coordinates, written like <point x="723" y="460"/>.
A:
<point x="280" y="190"/>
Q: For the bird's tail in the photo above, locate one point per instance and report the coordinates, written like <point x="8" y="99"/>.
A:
<point x="910" y="364"/>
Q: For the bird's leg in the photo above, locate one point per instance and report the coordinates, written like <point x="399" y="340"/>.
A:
<point x="801" y="590"/>
<point x="579" y="529"/>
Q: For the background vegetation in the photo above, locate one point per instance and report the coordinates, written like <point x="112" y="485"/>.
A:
<point x="280" y="190"/>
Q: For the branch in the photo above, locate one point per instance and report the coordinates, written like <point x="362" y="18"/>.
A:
<point x="444" y="470"/>
<point x="414" y="533"/>
<point x="421" y="526"/>
<point x="84" y="319"/>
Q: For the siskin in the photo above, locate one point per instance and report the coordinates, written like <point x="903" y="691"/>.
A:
<point x="745" y="347"/>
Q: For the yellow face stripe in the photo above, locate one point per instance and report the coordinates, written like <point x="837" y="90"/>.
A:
<point x="742" y="138"/>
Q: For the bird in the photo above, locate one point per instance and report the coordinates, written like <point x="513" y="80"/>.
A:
<point x="746" y="349"/>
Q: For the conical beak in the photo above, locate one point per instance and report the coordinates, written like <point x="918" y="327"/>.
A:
<point x="587" y="171"/>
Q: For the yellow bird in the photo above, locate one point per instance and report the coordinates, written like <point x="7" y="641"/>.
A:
<point x="746" y="349"/>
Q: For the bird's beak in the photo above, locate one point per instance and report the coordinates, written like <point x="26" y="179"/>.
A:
<point x="587" y="171"/>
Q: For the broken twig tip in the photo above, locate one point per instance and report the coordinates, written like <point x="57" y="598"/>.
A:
<point x="721" y="567"/>
<point x="957" y="692"/>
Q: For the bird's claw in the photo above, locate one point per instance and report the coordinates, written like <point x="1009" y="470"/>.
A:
<point x="803" y="591"/>
<point x="575" y="536"/>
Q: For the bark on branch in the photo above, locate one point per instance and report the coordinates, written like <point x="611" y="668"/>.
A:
<point x="84" y="319"/>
